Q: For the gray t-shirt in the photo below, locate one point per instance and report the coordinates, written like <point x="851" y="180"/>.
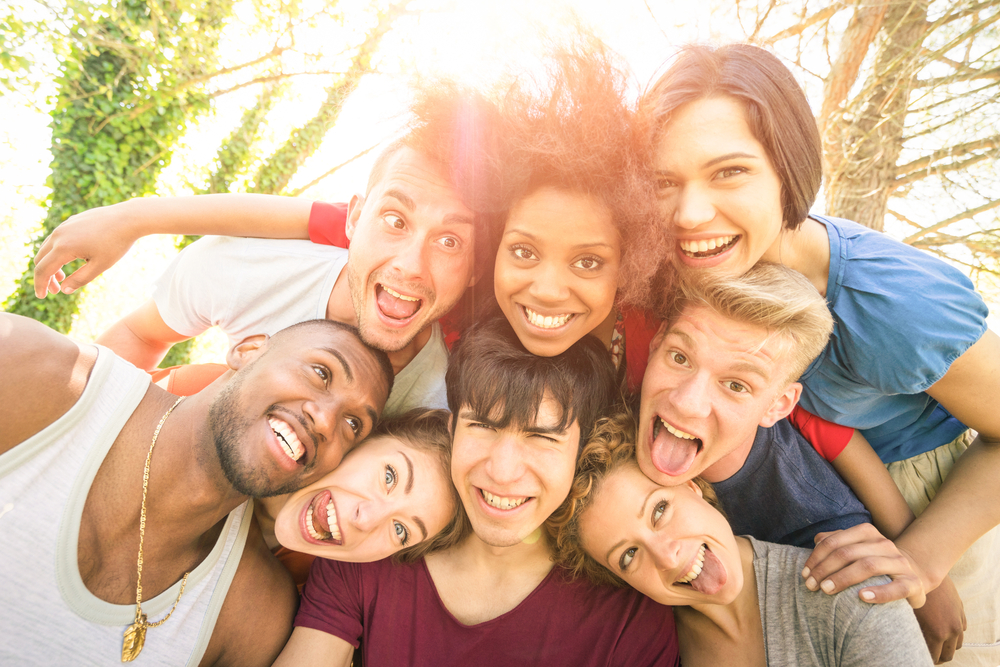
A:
<point x="250" y="286"/>
<point x="804" y="628"/>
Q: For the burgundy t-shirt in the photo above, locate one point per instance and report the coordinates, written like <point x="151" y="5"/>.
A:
<point x="394" y="613"/>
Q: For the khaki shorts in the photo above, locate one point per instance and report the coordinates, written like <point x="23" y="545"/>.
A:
<point x="977" y="573"/>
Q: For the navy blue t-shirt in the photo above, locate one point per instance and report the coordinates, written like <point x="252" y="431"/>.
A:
<point x="786" y="492"/>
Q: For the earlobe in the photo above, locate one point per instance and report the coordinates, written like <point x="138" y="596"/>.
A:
<point x="782" y="406"/>
<point x="246" y="350"/>
<point x="353" y="215"/>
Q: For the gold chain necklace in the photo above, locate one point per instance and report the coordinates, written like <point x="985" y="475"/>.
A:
<point x="135" y="634"/>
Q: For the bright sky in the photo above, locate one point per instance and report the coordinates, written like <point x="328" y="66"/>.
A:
<point x="467" y="39"/>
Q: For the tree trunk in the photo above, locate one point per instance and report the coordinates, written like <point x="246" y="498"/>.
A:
<point x="864" y="142"/>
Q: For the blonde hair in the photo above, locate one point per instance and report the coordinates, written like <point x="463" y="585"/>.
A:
<point x="769" y="296"/>
<point x="610" y="448"/>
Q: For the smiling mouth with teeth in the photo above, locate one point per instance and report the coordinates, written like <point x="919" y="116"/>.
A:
<point x="501" y="502"/>
<point x="396" y="305"/>
<point x="672" y="431"/>
<point x="546" y="321"/>
<point x="708" y="247"/>
<point x="320" y="520"/>
<point x="699" y="563"/>
<point x="287" y="439"/>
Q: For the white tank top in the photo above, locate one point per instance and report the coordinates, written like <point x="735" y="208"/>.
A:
<point x="47" y="615"/>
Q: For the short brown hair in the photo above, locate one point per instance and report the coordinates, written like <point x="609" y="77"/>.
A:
<point x="611" y="447"/>
<point x="776" y="111"/>
<point x="769" y="296"/>
<point x="427" y="430"/>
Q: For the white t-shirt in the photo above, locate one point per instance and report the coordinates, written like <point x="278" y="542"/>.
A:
<point x="249" y="286"/>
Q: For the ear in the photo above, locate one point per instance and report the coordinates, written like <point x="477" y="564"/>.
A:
<point x="654" y="343"/>
<point x="694" y="487"/>
<point x="782" y="405"/>
<point x="247" y="350"/>
<point x="353" y="215"/>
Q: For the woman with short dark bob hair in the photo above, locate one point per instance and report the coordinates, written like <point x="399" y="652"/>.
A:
<point x="911" y="362"/>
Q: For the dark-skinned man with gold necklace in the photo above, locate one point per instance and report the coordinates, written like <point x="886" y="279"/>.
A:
<point x="123" y="511"/>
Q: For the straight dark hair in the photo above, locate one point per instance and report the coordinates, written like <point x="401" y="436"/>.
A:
<point x="776" y="111"/>
<point x="491" y="374"/>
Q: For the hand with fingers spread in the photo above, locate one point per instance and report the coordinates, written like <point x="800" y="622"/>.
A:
<point x="100" y="237"/>
<point x="942" y="620"/>
<point x="844" y="558"/>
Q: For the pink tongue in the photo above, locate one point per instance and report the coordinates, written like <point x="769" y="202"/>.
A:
<point x="395" y="308"/>
<point x="672" y="455"/>
<point x="320" y="518"/>
<point x="713" y="575"/>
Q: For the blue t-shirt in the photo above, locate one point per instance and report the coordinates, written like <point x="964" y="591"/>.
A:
<point x="786" y="492"/>
<point x="901" y="317"/>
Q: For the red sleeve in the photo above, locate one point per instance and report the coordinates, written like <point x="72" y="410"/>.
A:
<point x="640" y="327"/>
<point x="326" y="224"/>
<point x="188" y="380"/>
<point x="827" y="438"/>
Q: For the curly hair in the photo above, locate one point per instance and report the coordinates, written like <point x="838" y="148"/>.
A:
<point x="611" y="447"/>
<point x="576" y="131"/>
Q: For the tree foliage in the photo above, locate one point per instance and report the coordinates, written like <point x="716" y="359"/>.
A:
<point x="123" y="101"/>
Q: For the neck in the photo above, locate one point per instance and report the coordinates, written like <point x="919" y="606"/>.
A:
<point x="186" y="481"/>
<point x="806" y="250"/>
<point x="741" y="617"/>
<point x="521" y="556"/>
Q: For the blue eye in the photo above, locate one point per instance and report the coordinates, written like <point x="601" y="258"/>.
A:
<point x="401" y="532"/>
<point x="390" y="477"/>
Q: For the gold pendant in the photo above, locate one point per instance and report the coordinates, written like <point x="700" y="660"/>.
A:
<point x="135" y="637"/>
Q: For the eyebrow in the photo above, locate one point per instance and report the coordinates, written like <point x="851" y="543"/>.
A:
<point x="748" y="367"/>
<point x="642" y="510"/>
<point x="343" y="362"/>
<point x="409" y="472"/>
<point x="408" y="203"/>
<point x="683" y="336"/>
<point x="574" y="247"/>
<point x="614" y="548"/>
<point x="421" y="526"/>
<point x="716" y="160"/>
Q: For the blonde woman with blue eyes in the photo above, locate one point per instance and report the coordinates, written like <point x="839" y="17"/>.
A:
<point x="738" y="601"/>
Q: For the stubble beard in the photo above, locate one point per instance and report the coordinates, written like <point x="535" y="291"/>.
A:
<point x="228" y="426"/>
<point x="370" y="335"/>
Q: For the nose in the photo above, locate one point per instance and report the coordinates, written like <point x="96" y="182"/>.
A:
<point x="690" y="397"/>
<point x="667" y="554"/>
<point x="506" y="463"/>
<point x="410" y="259"/>
<point x="549" y="284"/>
<point x="369" y="515"/>
<point x="693" y="207"/>
<point x="322" y="418"/>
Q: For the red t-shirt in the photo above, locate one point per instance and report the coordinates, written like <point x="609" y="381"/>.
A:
<point x="827" y="438"/>
<point x="394" y="613"/>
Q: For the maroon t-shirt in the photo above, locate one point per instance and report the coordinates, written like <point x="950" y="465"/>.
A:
<point x="394" y="613"/>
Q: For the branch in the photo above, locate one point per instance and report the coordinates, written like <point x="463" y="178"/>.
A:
<point x="270" y="78"/>
<point x="959" y="150"/>
<point x="299" y="191"/>
<point x="903" y="218"/>
<point x="977" y="267"/>
<point x="961" y="165"/>
<point x="965" y="215"/>
<point x="799" y="28"/>
<point x="961" y="14"/>
<point x="854" y="44"/>
<point x="971" y="74"/>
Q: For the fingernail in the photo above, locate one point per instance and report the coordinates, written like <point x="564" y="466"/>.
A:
<point x="68" y="290"/>
<point x="805" y="572"/>
<point x="867" y="595"/>
<point x="827" y="586"/>
<point x="811" y="583"/>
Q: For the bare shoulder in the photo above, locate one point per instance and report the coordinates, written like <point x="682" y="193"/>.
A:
<point x="42" y="374"/>
<point x="256" y="618"/>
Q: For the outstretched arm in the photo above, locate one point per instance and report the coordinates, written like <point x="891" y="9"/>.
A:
<point x="942" y="616"/>
<point x="141" y="337"/>
<point x="101" y="236"/>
